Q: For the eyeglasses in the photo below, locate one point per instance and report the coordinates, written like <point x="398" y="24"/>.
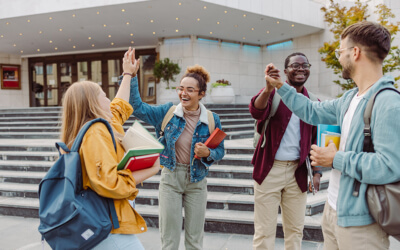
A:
<point x="338" y="51"/>
<point x="297" y="66"/>
<point x="188" y="90"/>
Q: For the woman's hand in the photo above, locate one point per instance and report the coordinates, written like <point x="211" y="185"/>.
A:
<point x="201" y="150"/>
<point x="129" y="63"/>
<point x="143" y="174"/>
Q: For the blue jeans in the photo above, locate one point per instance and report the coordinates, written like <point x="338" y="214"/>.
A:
<point x="120" y="241"/>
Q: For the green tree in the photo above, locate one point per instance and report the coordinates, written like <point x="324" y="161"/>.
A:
<point x="166" y="70"/>
<point x="338" y="18"/>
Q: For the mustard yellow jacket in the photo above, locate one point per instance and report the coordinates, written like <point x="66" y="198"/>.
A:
<point x="99" y="169"/>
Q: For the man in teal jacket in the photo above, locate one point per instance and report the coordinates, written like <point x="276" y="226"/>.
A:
<point x="346" y="222"/>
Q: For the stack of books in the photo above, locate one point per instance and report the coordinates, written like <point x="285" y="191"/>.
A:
<point x="142" y="148"/>
<point x="326" y="133"/>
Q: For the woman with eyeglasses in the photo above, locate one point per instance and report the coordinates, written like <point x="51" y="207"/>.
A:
<point x="183" y="176"/>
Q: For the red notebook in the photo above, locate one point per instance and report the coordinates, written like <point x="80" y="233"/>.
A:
<point x="140" y="162"/>
<point x="214" y="140"/>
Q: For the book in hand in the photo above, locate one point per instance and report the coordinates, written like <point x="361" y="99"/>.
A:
<point x="139" y="141"/>
<point x="326" y="133"/>
<point x="214" y="140"/>
<point x="140" y="162"/>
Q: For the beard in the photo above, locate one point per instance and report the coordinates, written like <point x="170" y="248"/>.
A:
<point x="347" y="71"/>
<point x="297" y="84"/>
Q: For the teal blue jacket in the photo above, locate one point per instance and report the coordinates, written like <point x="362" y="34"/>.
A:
<point x="381" y="167"/>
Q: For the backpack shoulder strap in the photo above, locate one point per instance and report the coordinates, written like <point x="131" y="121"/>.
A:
<point x="368" y="145"/>
<point x="274" y="107"/>
<point x="168" y="116"/>
<point x="78" y="140"/>
<point x="211" y="121"/>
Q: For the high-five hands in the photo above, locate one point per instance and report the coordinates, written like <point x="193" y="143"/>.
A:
<point x="129" y="63"/>
<point x="272" y="77"/>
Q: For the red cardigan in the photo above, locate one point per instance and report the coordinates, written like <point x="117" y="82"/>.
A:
<point x="263" y="158"/>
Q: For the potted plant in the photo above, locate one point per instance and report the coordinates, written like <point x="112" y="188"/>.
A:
<point x="166" y="70"/>
<point x="222" y="92"/>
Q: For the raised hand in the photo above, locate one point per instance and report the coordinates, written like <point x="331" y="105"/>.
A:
<point x="272" y="76"/>
<point x="129" y="63"/>
<point x="268" y="86"/>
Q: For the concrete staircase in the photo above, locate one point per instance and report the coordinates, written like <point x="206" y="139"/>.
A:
<point x="27" y="151"/>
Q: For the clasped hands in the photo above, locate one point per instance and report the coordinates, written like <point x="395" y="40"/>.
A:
<point x="319" y="156"/>
<point x="129" y="64"/>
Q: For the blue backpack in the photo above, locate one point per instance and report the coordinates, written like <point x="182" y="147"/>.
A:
<point x="70" y="217"/>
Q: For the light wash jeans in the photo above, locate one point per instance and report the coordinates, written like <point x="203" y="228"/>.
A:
<point x="177" y="190"/>
<point x="120" y="241"/>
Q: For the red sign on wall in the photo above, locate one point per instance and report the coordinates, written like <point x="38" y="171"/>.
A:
<point x="10" y="76"/>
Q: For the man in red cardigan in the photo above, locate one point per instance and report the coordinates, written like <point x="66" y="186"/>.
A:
<point x="280" y="171"/>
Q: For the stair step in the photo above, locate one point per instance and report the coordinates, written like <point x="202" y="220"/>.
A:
<point x="28" y="156"/>
<point x="29" y="166"/>
<point x="51" y="123"/>
<point x="217" y="220"/>
<point x="215" y="200"/>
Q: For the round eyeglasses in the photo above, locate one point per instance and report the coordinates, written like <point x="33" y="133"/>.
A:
<point x="297" y="66"/>
<point x="338" y="51"/>
<point x="188" y="90"/>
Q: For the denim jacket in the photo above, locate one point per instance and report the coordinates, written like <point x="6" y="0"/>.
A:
<point x="380" y="167"/>
<point x="154" y="116"/>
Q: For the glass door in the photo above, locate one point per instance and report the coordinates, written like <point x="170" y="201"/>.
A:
<point x="147" y="82"/>
<point x="37" y="85"/>
<point x="114" y="71"/>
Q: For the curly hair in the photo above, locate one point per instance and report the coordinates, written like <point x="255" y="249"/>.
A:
<point x="200" y="74"/>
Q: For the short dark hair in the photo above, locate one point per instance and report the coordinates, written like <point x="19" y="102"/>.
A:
<point x="292" y="55"/>
<point x="371" y="35"/>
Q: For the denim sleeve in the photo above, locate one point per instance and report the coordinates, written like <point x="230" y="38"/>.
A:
<point x="150" y="114"/>
<point x="217" y="153"/>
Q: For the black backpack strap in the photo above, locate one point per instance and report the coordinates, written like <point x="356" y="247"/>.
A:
<point x="368" y="144"/>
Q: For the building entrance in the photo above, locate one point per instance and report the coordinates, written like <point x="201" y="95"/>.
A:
<point x="50" y="77"/>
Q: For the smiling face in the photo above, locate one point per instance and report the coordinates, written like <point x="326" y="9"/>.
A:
<point x="190" y="100"/>
<point x="297" y="77"/>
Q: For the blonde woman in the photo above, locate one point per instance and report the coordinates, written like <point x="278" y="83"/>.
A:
<point x="183" y="178"/>
<point x="85" y="101"/>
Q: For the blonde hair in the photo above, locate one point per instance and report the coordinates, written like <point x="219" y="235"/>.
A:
<point x="80" y="105"/>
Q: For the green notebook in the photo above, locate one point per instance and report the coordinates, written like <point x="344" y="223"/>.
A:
<point x="139" y="141"/>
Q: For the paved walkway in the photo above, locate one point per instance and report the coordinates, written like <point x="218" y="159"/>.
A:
<point x="17" y="233"/>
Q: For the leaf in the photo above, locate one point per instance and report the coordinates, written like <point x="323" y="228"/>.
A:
<point x="338" y="18"/>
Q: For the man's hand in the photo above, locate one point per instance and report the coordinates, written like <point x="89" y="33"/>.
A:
<point x="316" y="180"/>
<point x="323" y="156"/>
<point x="268" y="86"/>
<point x="201" y="150"/>
<point x="272" y="76"/>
